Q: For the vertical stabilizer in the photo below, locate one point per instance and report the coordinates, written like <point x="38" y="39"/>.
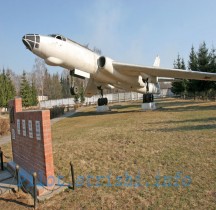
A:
<point x="157" y="62"/>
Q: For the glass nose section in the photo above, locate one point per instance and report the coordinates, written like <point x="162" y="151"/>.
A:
<point x="31" y="41"/>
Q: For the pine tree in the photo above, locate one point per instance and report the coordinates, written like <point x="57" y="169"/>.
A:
<point x="10" y="89"/>
<point x="25" y="91"/>
<point x="179" y="87"/>
<point x="192" y="65"/>
<point x="34" y="98"/>
<point x="203" y="64"/>
<point x="212" y="62"/>
<point x="212" y="68"/>
<point x="7" y="90"/>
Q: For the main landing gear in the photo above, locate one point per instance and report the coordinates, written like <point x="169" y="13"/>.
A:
<point x="148" y="102"/>
<point x="102" y="101"/>
<point x="148" y="98"/>
<point x="74" y="90"/>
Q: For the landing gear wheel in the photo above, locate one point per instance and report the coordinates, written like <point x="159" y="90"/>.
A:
<point x="74" y="90"/>
<point x="148" y="98"/>
<point x="102" y="101"/>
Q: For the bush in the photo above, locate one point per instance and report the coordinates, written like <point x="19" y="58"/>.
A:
<point x="56" y="111"/>
<point x="4" y="127"/>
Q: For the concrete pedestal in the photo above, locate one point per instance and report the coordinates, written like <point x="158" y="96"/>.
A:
<point x="55" y="185"/>
<point x="148" y="106"/>
<point x="103" y="108"/>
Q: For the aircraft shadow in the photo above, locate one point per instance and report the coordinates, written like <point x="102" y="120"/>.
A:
<point x="184" y="128"/>
<point x="187" y="108"/>
<point x="184" y="121"/>
<point x="94" y="113"/>
<point x="206" y="123"/>
<point x="120" y="107"/>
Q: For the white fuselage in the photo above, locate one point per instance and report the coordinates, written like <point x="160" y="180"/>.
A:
<point x="71" y="55"/>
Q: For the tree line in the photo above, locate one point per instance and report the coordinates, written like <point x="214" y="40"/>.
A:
<point x="38" y="82"/>
<point x="203" y="59"/>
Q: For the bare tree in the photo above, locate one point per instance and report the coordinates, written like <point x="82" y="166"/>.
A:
<point x="39" y="70"/>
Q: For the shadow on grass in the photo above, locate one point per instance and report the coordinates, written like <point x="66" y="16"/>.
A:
<point x="175" y="103"/>
<point x="16" y="202"/>
<point x="134" y="106"/>
<point x="187" y="108"/>
<point x="187" y="128"/>
<point x="94" y="113"/>
<point x="184" y="121"/>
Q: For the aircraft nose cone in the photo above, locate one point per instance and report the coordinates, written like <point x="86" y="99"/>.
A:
<point x="31" y="41"/>
<point x="26" y="43"/>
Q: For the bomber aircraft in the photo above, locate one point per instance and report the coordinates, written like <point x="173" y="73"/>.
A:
<point x="103" y="72"/>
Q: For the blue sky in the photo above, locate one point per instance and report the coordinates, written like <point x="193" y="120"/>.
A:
<point x="132" y="31"/>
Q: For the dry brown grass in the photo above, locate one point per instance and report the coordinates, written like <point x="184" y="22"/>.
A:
<point x="4" y="126"/>
<point x="177" y="137"/>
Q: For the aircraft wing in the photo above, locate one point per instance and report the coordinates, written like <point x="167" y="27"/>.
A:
<point x="130" y="69"/>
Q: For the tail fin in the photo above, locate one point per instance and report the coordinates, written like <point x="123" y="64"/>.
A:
<point x="157" y="62"/>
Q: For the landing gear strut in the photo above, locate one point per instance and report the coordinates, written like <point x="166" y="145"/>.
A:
<point x="74" y="90"/>
<point x="148" y="97"/>
<point x="102" y="101"/>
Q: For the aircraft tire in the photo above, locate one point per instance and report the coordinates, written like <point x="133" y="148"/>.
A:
<point x="102" y="101"/>
<point x="105" y="101"/>
<point x="99" y="102"/>
<point x="151" y="97"/>
<point x="74" y="90"/>
<point x="147" y="98"/>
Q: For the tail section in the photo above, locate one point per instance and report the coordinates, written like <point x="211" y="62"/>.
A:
<point x="157" y="62"/>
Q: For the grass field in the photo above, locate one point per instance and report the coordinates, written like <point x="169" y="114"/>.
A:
<point x="130" y="159"/>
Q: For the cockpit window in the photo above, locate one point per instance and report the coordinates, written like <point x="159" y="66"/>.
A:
<point x="57" y="36"/>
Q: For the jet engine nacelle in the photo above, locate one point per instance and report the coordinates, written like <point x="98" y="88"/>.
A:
<point x="105" y="63"/>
